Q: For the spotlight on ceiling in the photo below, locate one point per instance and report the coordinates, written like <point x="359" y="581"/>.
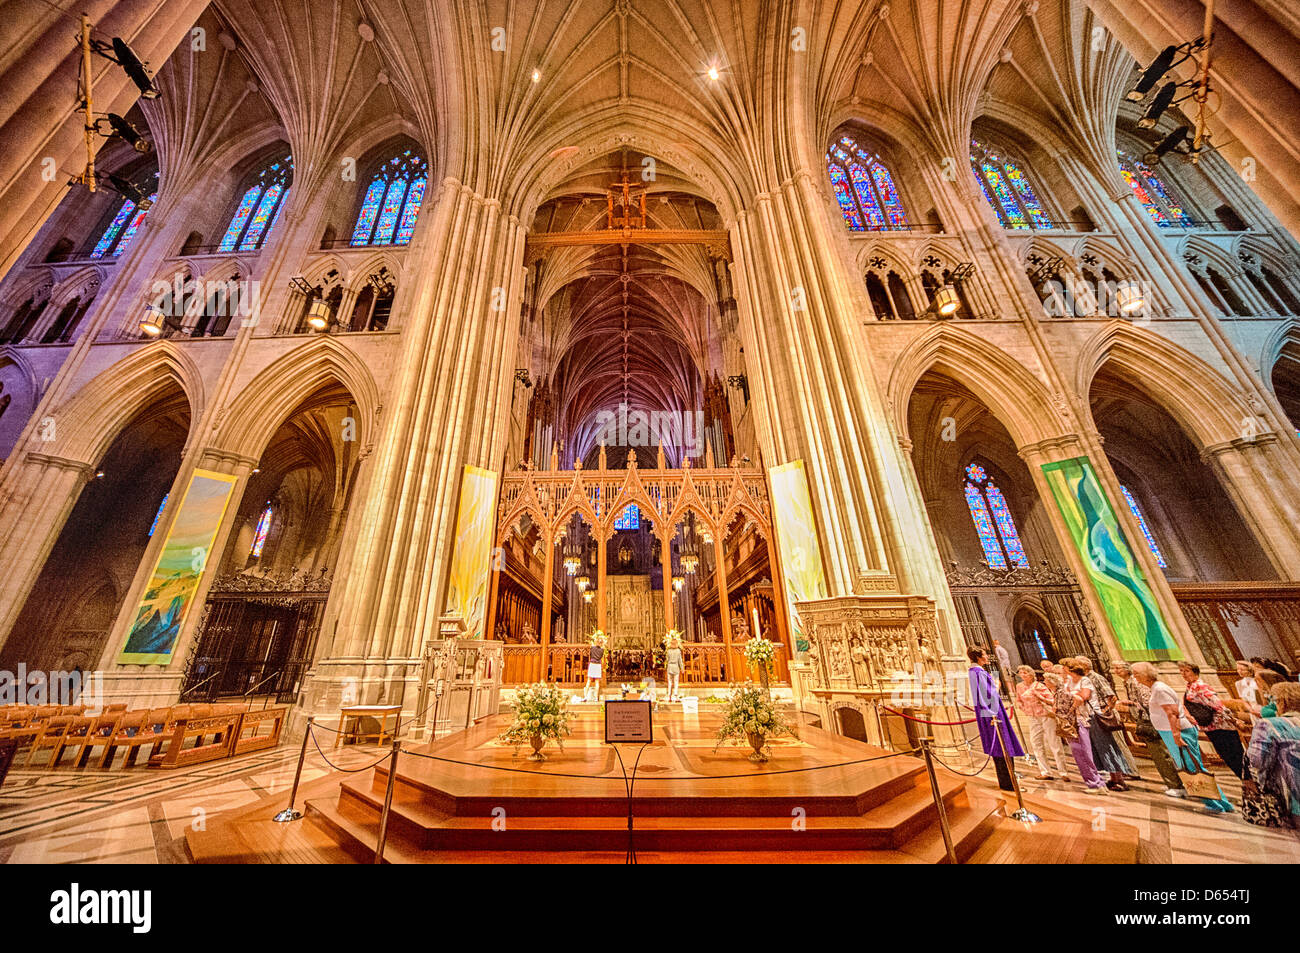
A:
<point x="1168" y="144"/>
<point x="127" y="59"/>
<point x="128" y="133"/>
<point x="537" y="76"/>
<point x="1151" y="75"/>
<point x="713" y="73"/>
<point x="130" y="190"/>
<point x="1158" y="105"/>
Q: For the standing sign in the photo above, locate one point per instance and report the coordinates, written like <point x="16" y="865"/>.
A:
<point x="628" y="723"/>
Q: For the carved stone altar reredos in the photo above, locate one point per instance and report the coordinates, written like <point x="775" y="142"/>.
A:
<point x="871" y="641"/>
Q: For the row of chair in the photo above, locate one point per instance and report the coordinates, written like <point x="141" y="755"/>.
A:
<point x="61" y="728"/>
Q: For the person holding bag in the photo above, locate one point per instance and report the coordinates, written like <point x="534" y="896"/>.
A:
<point x="1275" y="762"/>
<point x="1208" y="711"/>
<point x="1072" y="725"/>
<point x="1106" y="754"/>
<point x="1137" y="705"/>
<point x="1180" y="737"/>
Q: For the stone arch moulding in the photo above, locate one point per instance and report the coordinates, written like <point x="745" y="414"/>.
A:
<point x="1199" y="398"/>
<point x="89" y="420"/>
<point x="1284" y="334"/>
<point x="246" y="424"/>
<point x="1011" y="391"/>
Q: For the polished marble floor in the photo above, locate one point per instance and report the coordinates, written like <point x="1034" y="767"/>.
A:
<point x="140" y="815"/>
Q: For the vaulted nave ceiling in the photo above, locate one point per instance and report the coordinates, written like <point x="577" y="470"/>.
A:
<point x="513" y="98"/>
<point x="631" y="323"/>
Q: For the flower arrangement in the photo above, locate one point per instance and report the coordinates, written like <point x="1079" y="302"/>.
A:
<point x="541" y="712"/>
<point x="672" y="636"/>
<point x="597" y="637"/>
<point x="751" y="714"/>
<point x="760" y="651"/>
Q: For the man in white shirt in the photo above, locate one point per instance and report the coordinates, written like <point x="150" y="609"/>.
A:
<point x="1246" y="687"/>
<point x="1166" y="710"/>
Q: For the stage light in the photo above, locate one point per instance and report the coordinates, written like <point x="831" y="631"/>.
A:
<point x="154" y="321"/>
<point x="1158" y="105"/>
<point x="318" y="316"/>
<point x="1151" y="75"/>
<point x="130" y="191"/>
<point x="946" y="301"/>
<point x="127" y="132"/>
<point x="1167" y="145"/>
<point x="127" y="59"/>
<point x="678" y="582"/>
<point x="713" y="73"/>
<point x="1129" y="297"/>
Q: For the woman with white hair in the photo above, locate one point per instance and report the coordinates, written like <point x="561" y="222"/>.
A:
<point x="1178" y="732"/>
<point x="1275" y="750"/>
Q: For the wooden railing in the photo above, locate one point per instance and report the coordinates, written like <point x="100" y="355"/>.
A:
<point x="704" y="664"/>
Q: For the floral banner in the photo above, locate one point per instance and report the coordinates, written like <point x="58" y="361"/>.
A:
<point x="797" y="544"/>
<point x="467" y="593"/>
<point x="175" y="580"/>
<point x="1117" y="579"/>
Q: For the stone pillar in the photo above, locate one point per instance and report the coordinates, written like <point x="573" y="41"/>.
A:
<point x="449" y="407"/>
<point x="1250" y="474"/>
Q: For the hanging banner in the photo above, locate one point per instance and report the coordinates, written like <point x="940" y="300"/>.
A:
<point x="795" y="528"/>
<point x="467" y="593"/>
<point x="1125" y="595"/>
<point x="170" y="593"/>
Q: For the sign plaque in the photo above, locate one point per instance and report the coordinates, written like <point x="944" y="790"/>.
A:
<point x="628" y="722"/>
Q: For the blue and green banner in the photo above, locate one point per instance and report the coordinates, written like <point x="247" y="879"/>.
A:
<point x="1123" y="590"/>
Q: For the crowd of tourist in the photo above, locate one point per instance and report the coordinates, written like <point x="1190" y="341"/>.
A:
<point x="1065" y="704"/>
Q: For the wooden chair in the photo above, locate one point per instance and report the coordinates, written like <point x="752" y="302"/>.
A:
<point x="81" y="729"/>
<point x="51" y="735"/>
<point x="99" y="734"/>
<point x="136" y="729"/>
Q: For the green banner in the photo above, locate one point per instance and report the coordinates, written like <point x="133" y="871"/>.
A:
<point x="1117" y="579"/>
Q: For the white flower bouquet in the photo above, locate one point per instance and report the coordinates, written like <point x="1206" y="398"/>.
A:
<point x="541" y="711"/>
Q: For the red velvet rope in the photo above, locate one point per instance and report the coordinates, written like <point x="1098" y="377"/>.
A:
<point x="969" y="721"/>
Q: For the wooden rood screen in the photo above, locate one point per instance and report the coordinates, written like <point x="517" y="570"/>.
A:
<point x="716" y="496"/>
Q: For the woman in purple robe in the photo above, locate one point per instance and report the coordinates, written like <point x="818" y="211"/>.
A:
<point x="988" y="705"/>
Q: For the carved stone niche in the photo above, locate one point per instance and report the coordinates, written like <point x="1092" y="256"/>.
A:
<point x="872" y="641"/>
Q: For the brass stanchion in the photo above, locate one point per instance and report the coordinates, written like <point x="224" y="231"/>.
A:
<point x="289" y="814"/>
<point x="1022" y="813"/>
<point x="938" y="799"/>
<point x="388" y="803"/>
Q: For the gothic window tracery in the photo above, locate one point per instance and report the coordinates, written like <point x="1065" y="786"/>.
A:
<point x="1160" y="202"/>
<point x="864" y="188"/>
<point x="1142" y="525"/>
<point x="994" y="524"/>
<point x="392" y="202"/>
<point x="117" y="236"/>
<point x="259" y="209"/>
<point x="1007" y="188"/>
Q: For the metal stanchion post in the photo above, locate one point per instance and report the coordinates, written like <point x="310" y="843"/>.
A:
<point x="1022" y="813"/>
<point x="289" y="814"/>
<point x="938" y="799"/>
<point x="388" y="803"/>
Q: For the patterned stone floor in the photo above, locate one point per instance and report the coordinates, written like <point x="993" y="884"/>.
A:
<point x="140" y="816"/>
<point x="1172" y="830"/>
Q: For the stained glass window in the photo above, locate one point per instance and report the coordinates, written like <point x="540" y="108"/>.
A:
<point x="121" y="230"/>
<point x="1159" y="201"/>
<point x="1007" y="189"/>
<point x="993" y="521"/>
<point x="630" y="518"/>
<point x="259" y="208"/>
<point x="864" y="188"/>
<point x="392" y="202"/>
<point x="157" y="516"/>
<point x="259" y="535"/>
<point x="1142" y="525"/>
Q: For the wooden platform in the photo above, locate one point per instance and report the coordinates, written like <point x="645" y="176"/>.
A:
<point x="821" y="799"/>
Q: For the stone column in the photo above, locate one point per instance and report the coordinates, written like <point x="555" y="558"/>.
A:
<point x="448" y="406"/>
